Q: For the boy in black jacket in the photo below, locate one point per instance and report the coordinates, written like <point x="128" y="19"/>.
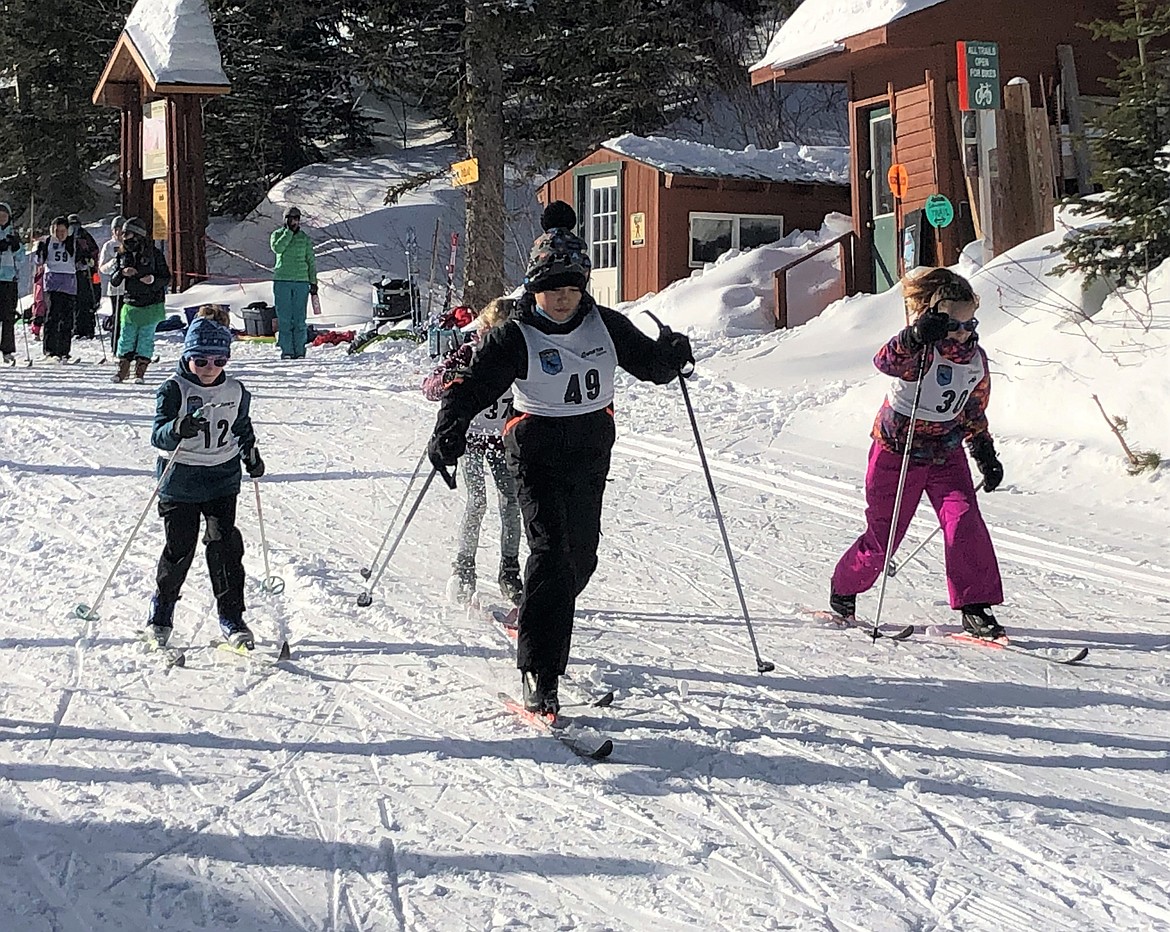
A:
<point x="559" y="354"/>
<point x="142" y="269"/>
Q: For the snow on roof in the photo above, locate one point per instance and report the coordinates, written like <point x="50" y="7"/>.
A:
<point x="819" y="27"/>
<point x="788" y="162"/>
<point x="176" y="41"/>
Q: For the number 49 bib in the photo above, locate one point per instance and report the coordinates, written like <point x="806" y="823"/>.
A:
<point x="569" y="373"/>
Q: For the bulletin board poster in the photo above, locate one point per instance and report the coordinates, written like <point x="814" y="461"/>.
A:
<point x="154" y="140"/>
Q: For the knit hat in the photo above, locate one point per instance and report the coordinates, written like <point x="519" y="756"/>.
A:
<point x="207" y="338"/>
<point x="4" y="208"/>
<point x="75" y="218"/>
<point x="136" y="226"/>
<point x="559" y="258"/>
<point x="117" y="223"/>
<point x="290" y="212"/>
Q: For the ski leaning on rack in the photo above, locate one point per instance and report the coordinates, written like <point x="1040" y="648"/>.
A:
<point x="1004" y="645"/>
<point x="888" y="632"/>
<point x="447" y="295"/>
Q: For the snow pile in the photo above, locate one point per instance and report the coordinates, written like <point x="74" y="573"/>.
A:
<point x="177" y="42"/>
<point x="819" y="27"/>
<point x="787" y="162"/>
<point x="734" y="295"/>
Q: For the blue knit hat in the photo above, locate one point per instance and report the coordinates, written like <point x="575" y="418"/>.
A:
<point x="207" y="338"/>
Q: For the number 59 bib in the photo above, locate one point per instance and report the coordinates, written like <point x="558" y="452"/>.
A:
<point x="945" y="389"/>
<point x="569" y="373"/>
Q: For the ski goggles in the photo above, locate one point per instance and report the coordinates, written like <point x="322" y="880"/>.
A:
<point x="968" y="325"/>
<point x="203" y="362"/>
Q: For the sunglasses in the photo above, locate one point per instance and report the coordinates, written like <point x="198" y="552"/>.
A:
<point x="202" y="362"/>
<point x="969" y="325"/>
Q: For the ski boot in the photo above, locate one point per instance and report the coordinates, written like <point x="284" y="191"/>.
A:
<point x="540" y="692"/>
<point x="159" y="624"/>
<point x="511" y="585"/>
<point x="844" y="606"/>
<point x="10" y="359"/>
<point x="237" y="634"/>
<point x="461" y="586"/>
<point x="123" y="372"/>
<point x="979" y="622"/>
<point x="140" y="366"/>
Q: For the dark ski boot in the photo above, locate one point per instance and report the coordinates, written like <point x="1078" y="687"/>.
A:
<point x="979" y="622"/>
<point x="160" y="622"/>
<point x="540" y="692"/>
<point x="236" y="633"/>
<point x="843" y="605"/>
<point x="511" y="585"/>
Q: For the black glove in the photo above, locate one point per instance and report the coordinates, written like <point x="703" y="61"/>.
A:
<point x="445" y="449"/>
<point x="929" y="328"/>
<point x="676" y="349"/>
<point x="188" y="426"/>
<point x="252" y="463"/>
<point x="313" y="289"/>
<point x="13" y="242"/>
<point x="983" y="452"/>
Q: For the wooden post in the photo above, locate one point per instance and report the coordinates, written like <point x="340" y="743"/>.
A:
<point x="1042" y="170"/>
<point x="1076" y="119"/>
<point x="957" y="123"/>
<point x="1013" y="198"/>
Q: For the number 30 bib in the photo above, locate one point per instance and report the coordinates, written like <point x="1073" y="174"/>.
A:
<point x="945" y="389"/>
<point x="569" y="373"/>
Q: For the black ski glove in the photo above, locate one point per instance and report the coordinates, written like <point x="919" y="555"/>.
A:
<point x="252" y="463"/>
<point x="675" y="349"/>
<point x="188" y="426"/>
<point x="929" y="328"/>
<point x="313" y="289"/>
<point x="445" y="449"/>
<point x="983" y="452"/>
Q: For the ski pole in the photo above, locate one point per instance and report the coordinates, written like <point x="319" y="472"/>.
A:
<point x="27" y="351"/>
<point x="365" y="598"/>
<point x="89" y="612"/>
<point x="898" y="496"/>
<point x="367" y="570"/>
<point x="271" y="584"/>
<point x="893" y="568"/>
<point x="762" y="666"/>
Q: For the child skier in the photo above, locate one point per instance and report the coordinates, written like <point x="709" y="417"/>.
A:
<point x="142" y="269"/>
<point x="205" y="480"/>
<point x="560" y="351"/>
<point x="952" y="408"/>
<point x="485" y="443"/>
<point x="55" y="257"/>
<point x="11" y="258"/>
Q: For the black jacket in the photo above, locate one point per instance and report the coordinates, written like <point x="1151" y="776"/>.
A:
<point x="146" y="259"/>
<point x="503" y="357"/>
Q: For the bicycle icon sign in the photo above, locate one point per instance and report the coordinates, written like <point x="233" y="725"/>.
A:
<point x="984" y="96"/>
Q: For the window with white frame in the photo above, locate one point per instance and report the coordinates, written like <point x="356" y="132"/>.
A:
<point x="713" y="234"/>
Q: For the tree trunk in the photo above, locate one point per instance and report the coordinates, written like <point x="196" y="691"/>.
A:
<point x="484" y="120"/>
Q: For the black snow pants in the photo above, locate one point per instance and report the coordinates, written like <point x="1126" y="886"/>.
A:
<point x="560" y="500"/>
<point x="225" y="551"/>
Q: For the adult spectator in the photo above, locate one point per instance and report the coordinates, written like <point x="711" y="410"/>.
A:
<point x="86" y="259"/>
<point x="10" y="257"/>
<point x="294" y="279"/>
<point x="107" y="264"/>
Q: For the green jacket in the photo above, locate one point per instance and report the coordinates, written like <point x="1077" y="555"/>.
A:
<point x="294" y="256"/>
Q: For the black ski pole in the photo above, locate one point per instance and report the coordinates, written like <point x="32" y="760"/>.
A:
<point x="365" y="598"/>
<point x="762" y="666"/>
<point x="877" y="618"/>
<point x="27" y="351"/>
<point x="367" y="570"/>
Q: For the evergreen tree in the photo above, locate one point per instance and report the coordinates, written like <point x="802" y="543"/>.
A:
<point x="1130" y="157"/>
<point x="51" y="52"/>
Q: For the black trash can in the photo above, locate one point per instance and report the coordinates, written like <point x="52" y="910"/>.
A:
<point x="260" y="320"/>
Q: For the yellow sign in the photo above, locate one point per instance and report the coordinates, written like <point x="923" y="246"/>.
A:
<point x="465" y="172"/>
<point x="154" y="140"/>
<point x="158" y="205"/>
<point x="638" y="229"/>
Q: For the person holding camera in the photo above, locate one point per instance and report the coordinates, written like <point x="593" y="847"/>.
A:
<point x="142" y="269"/>
<point x="294" y="280"/>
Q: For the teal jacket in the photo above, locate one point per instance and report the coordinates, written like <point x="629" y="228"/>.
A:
<point x="294" y="256"/>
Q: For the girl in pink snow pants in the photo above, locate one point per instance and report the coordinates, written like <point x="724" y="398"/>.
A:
<point x="952" y="409"/>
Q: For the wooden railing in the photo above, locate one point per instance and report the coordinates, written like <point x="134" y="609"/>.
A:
<point x="846" y="244"/>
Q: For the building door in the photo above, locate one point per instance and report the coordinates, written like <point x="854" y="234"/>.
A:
<point x="884" y="245"/>
<point x="603" y="231"/>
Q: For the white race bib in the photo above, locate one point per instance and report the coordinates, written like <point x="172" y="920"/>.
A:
<point x="568" y="374"/>
<point x="216" y="443"/>
<point x="946" y="387"/>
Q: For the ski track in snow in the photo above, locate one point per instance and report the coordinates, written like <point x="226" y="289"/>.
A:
<point x="373" y="782"/>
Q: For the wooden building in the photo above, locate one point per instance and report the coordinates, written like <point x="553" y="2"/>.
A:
<point x="163" y="66"/>
<point x="653" y="210"/>
<point x="902" y="75"/>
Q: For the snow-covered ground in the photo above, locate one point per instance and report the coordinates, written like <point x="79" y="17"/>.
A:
<point x="375" y="783"/>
